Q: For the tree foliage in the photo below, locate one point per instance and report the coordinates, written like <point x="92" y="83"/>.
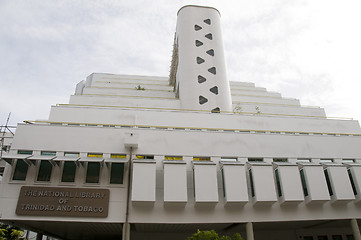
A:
<point x="10" y="233"/>
<point x="212" y="235"/>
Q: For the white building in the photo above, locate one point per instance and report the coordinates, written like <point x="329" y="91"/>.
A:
<point x="158" y="158"/>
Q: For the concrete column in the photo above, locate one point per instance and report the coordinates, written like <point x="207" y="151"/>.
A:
<point x="355" y="229"/>
<point x="126" y="231"/>
<point x="249" y="231"/>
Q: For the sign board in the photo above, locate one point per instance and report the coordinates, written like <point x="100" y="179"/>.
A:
<point x="67" y="202"/>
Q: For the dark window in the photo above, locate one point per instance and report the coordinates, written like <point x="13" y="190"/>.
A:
<point x="336" y="237"/>
<point x="116" y="173"/>
<point x="251" y="181"/>
<point x="198" y="43"/>
<point x="197" y="28"/>
<point x="352" y="182"/>
<point x="350" y="237"/>
<point x="202" y="100"/>
<point x="144" y="157"/>
<point x="209" y="36"/>
<point x="255" y="159"/>
<point x="280" y="160"/>
<point x="92" y="173"/>
<point x="45" y="169"/>
<point x="328" y="182"/>
<point x="307" y="238"/>
<point x="212" y="70"/>
<point x="28" y="152"/>
<point x="208" y="21"/>
<point x="278" y="183"/>
<point x="200" y="60"/>
<point x="216" y="110"/>
<point x="214" y="90"/>
<point x="210" y="52"/>
<point x="322" y="238"/>
<point x="47" y="153"/>
<point x="21" y="169"/>
<point x="223" y="184"/>
<point x="201" y="79"/>
<point x="69" y="170"/>
<point x="303" y="181"/>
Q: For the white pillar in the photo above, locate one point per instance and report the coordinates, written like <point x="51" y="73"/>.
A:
<point x="126" y="231"/>
<point x="249" y="231"/>
<point x="355" y="229"/>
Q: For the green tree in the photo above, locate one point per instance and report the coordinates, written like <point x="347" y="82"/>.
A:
<point x="10" y="233"/>
<point x="212" y="235"/>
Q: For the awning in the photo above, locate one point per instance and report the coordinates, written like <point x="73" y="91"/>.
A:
<point x="9" y="157"/>
<point x="92" y="159"/>
<point x="68" y="159"/>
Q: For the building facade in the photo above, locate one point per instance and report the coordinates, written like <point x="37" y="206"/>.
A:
<point x="142" y="157"/>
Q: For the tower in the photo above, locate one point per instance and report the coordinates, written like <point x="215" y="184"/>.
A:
<point x="198" y="67"/>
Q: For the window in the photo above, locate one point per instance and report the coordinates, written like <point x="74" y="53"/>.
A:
<point x="92" y="172"/>
<point x="251" y="181"/>
<point x="210" y="52"/>
<point x="216" y="110"/>
<point x="278" y="183"/>
<point x="214" y="90"/>
<point x="303" y="181"/>
<point x="71" y="154"/>
<point x="202" y="100"/>
<point x="118" y="155"/>
<point x="350" y="237"/>
<point x="280" y="160"/>
<point x="116" y="173"/>
<point x="201" y="79"/>
<point x="322" y="238"/>
<point x="28" y="152"/>
<point x="352" y="182"/>
<point x="144" y="157"/>
<point x="45" y="169"/>
<point x="326" y="160"/>
<point x="209" y="36"/>
<point x="307" y="238"/>
<point x="21" y="169"/>
<point x="212" y="70"/>
<point x="348" y="160"/>
<point x="95" y="155"/>
<point x="173" y="158"/>
<point x="336" y="237"/>
<point x="255" y="159"/>
<point x="198" y="43"/>
<point x="47" y="153"/>
<point x="223" y="183"/>
<point x="303" y="160"/>
<point x="328" y="182"/>
<point x="208" y="21"/>
<point x="200" y="60"/>
<point x="69" y="170"/>
<point x="197" y="28"/>
<point x="229" y="159"/>
<point x="201" y="159"/>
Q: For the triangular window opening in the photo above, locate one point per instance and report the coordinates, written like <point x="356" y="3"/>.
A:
<point x="200" y="60"/>
<point x="197" y="28"/>
<point x="209" y="36"/>
<point x="216" y="110"/>
<point x="214" y="90"/>
<point x="198" y="43"/>
<point x="208" y="21"/>
<point x="210" y="52"/>
<point x="212" y="70"/>
<point x="202" y="100"/>
<point x="201" y="79"/>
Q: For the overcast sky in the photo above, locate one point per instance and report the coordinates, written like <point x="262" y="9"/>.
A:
<point x="305" y="49"/>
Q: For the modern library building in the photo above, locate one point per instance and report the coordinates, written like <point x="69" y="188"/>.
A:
<point x="143" y="157"/>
